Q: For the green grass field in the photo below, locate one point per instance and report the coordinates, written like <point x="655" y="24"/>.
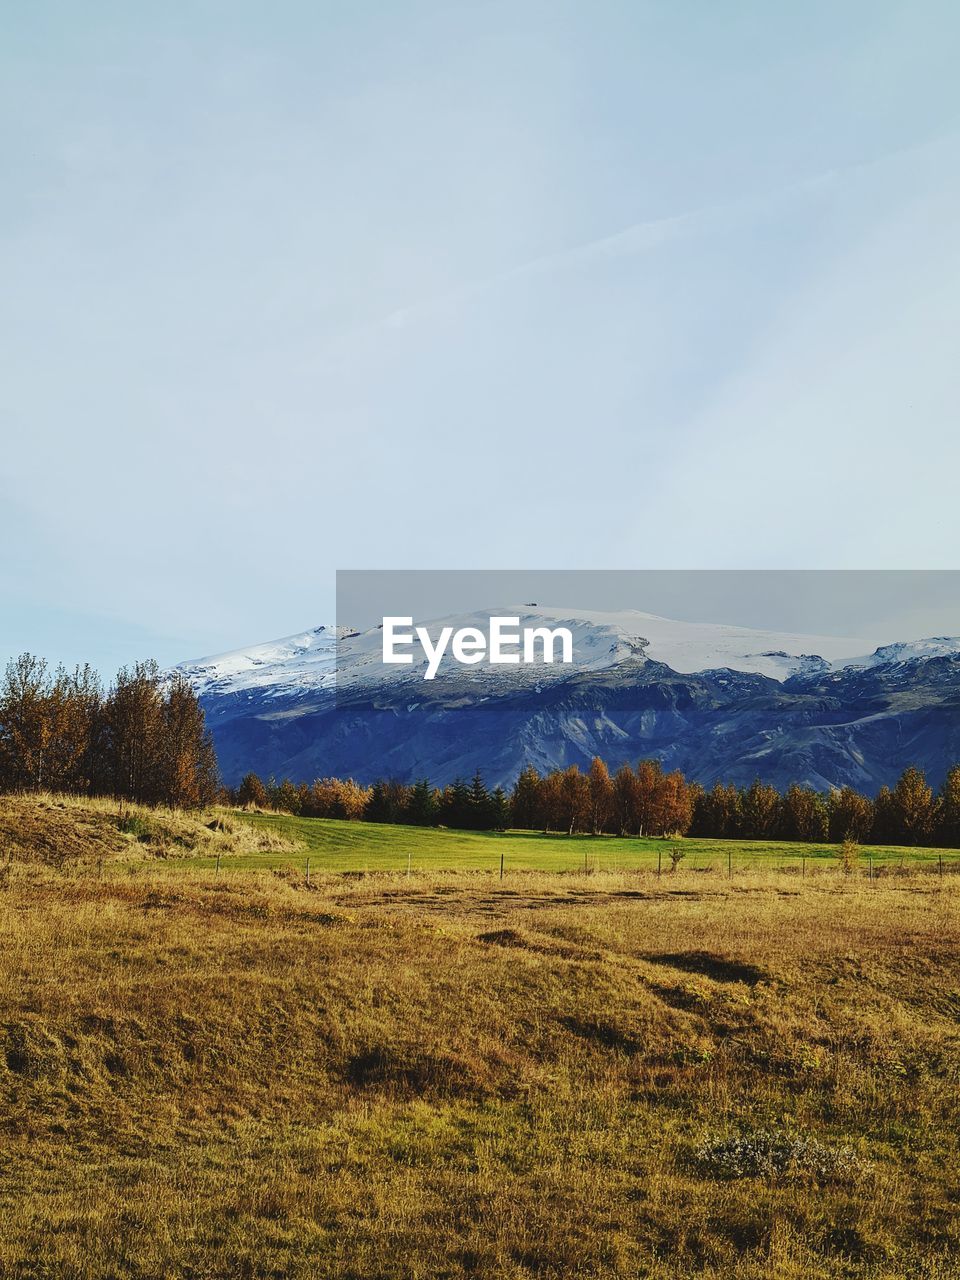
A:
<point x="337" y="846"/>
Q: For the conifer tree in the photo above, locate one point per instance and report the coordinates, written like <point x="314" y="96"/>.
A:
<point x="376" y="809"/>
<point x="526" y="801"/>
<point x="480" y="812"/>
<point x="499" y="810"/>
<point x="717" y="812"/>
<point x="421" y="806"/>
<point x="455" y="805"/>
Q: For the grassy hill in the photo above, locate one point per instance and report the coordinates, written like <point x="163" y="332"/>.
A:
<point x="443" y="1075"/>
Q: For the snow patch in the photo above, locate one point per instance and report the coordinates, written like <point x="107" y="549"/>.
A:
<point x="602" y="641"/>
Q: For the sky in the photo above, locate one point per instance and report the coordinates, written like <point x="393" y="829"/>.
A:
<point x="303" y="287"/>
<point x="874" y="606"/>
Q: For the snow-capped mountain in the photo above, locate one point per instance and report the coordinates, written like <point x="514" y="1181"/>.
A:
<point x="304" y="661"/>
<point x="718" y="701"/>
<point x="309" y="660"/>
<point x="911" y="651"/>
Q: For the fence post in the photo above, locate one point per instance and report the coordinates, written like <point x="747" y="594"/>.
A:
<point x="729" y="863"/>
<point x="584" y="859"/>
<point x="218" y="863"/>
<point x="501" y="864"/>
<point x="659" y="862"/>
<point x="870" y="863"/>
<point x="409" y="854"/>
<point x="940" y="862"/>
<point x="308" y="871"/>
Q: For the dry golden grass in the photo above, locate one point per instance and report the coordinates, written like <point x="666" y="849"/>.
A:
<point x="74" y="833"/>
<point x="446" y="1076"/>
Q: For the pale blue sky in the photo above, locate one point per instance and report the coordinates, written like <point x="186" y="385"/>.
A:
<point x="296" y="287"/>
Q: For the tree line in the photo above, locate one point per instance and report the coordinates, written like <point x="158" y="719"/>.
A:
<point x="641" y="800"/>
<point x="468" y="806"/>
<point x="142" y="739"/>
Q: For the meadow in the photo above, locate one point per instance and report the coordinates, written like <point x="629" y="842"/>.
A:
<point x="333" y="845"/>
<point x="443" y="1074"/>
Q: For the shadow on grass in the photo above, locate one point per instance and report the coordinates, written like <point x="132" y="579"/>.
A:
<point x="710" y="966"/>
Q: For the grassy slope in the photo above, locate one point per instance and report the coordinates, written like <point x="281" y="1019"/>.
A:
<point x="443" y="1076"/>
<point x="80" y="834"/>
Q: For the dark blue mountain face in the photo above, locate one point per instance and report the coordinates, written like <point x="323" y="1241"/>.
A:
<point x="855" y="726"/>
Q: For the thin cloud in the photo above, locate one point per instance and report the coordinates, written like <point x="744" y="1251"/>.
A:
<point x="641" y="237"/>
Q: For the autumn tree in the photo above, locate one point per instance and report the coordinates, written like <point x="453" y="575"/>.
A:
<point x="803" y="815"/>
<point x="760" y="809"/>
<point x="718" y="812"/>
<point x="334" y="798"/>
<point x="187" y="762"/>
<point x="601" y="796"/>
<point x="850" y="815"/>
<point x="133" y="717"/>
<point x="575" y="801"/>
<point x="76" y="742"/>
<point x="885" y="821"/>
<point x="649" y="811"/>
<point x="676" y="804"/>
<point x="914" y="807"/>
<point x="626" y="801"/>
<point x="252" y="793"/>
<point x="24" y="722"/>
<point x="948" y="815"/>
<point x="352" y="799"/>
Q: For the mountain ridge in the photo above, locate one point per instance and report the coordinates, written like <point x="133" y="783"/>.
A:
<point x="765" y="704"/>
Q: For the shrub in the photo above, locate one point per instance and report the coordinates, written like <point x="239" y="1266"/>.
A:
<point x="766" y="1154"/>
<point x="133" y="824"/>
<point x="849" y="856"/>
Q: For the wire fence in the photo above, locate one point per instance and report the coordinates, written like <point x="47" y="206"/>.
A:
<point x="670" y="862"/>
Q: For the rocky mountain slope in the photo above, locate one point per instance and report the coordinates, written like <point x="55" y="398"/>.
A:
<point x="719" y="702"/>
